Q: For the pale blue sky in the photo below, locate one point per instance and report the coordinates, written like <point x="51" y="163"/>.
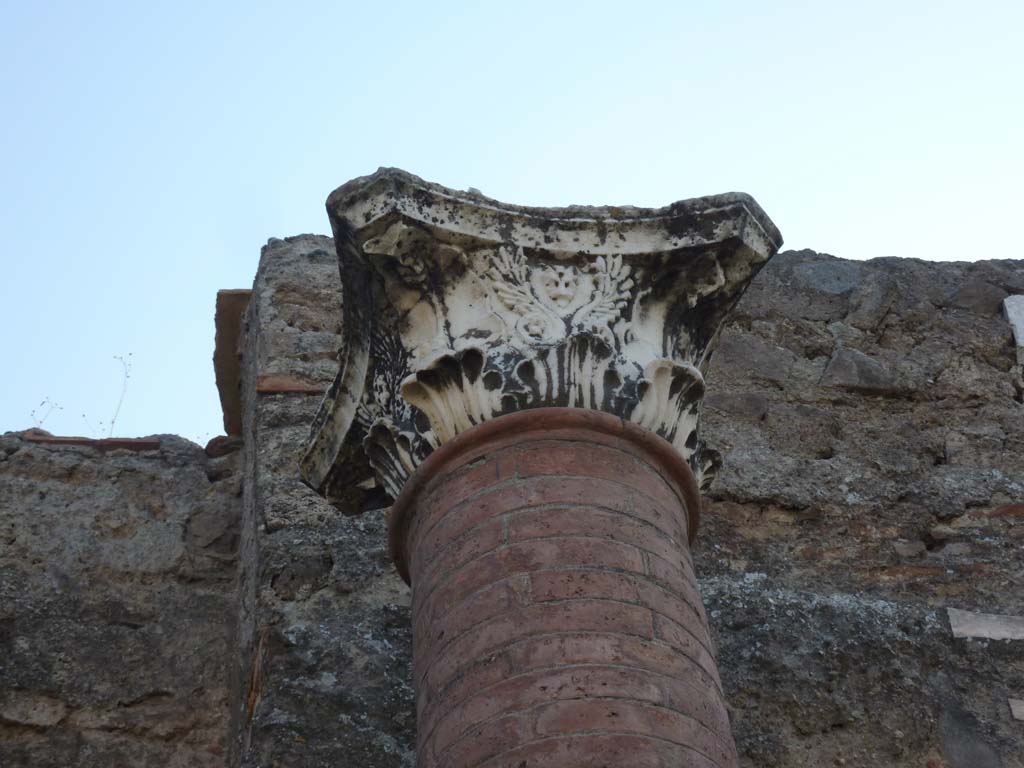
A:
<point x="149" y="149"/>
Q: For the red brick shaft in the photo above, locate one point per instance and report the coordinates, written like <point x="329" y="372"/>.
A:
<point x="556" y="617"/>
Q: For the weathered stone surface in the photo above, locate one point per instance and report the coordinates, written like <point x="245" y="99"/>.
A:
<point x="824" y="678"/>
<point x="854" y="507"/>
<point x="853" y="370"/>
<point x="222" y="445"/>
<point x="978" y="296"/>
<point x="321" y="673"/>
<point x="117" y="563"/>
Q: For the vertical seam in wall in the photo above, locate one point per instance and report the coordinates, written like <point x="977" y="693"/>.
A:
<point x="251" y="505"/>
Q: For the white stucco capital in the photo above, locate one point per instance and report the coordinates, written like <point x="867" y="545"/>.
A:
<point x="458" y="309"/>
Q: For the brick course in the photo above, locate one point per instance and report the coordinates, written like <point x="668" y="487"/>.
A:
<point x="556" y="616"/>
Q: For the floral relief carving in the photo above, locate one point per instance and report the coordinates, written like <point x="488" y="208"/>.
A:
<point x="553" y="300"/>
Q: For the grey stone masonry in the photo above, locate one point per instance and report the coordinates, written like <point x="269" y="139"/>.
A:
<point x="117" y="582"/>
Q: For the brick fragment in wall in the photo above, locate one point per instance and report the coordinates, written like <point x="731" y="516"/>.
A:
<point x="274" y="384"/>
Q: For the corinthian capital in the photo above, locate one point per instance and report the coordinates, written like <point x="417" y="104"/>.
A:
<point x="459" y="308"/>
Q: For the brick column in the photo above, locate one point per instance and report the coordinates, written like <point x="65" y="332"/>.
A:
<point x="556" y="616"/>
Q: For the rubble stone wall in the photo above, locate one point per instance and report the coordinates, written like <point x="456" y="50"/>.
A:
<point x="117" y="578"/>
<point x="871" y="416"/>
<point x="871" y="420"/>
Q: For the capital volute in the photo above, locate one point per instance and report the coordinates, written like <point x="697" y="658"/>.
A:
<point x="458" y="309"/>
